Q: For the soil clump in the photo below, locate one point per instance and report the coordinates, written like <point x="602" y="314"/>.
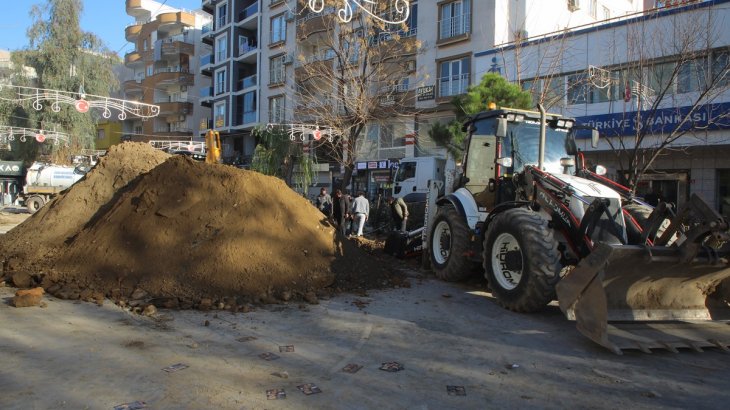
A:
<point x="146" y="226"/>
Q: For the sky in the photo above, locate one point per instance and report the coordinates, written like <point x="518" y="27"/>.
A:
<point x="106" y="18"/>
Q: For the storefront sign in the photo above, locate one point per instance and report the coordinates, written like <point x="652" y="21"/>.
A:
<point x="382" y="164"/>
<point x="426" y="93"/>
<point x="11" y="168"/>
<point x="663" y="121"/>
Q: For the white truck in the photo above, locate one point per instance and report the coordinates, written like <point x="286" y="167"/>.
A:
<point x="43" y="181"/>
<point x="411" y="183"/>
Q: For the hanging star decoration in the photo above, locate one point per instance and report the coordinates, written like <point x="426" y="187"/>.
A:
<point x="81" y="101"/>
<point x="399" y="11"/>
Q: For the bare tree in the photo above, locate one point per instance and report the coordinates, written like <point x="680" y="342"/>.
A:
<point x="350" y="75"/>
<point x="677" y="69"/>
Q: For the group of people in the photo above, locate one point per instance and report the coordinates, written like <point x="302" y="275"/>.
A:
<point x="350" y="215"/>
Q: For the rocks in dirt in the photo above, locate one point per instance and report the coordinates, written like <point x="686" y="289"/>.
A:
<point x="22" y="280"/>
<point x="149" y="310"/>
<point x="311" y="298"/>
<point x="28" y="297"/>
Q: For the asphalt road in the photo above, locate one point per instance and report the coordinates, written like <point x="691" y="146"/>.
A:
<point x="78" y="355"/>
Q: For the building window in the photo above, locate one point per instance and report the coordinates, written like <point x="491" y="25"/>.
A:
<point x="660" y="77"/>
<point x="455" y="19"/>
<point x="221" y="15"/>
<point x="721" y="69"/>
<point x="221" y="48"/>
<point x="278" y="29"/>
<point x="691" y="76"/>
<point x="577" y="89"/>
<point x="276" y="109"/>
<point x="220" y="82"/>
<point x="606" y="13"/>
<point x="277" y="70"/>
<point x="219" y="115"/>
<point x="593" y="8"/>
<point x="454" y="77"/>
<point x="150" y="70"/>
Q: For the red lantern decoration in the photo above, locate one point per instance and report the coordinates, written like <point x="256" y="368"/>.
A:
<point x="82" y="106"/>
<point x="40" y="137"/>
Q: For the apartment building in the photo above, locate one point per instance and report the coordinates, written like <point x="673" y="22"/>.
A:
<point x="648" y="75"/>
<point x="259" y="47"/>
<point x="165" y="70"/>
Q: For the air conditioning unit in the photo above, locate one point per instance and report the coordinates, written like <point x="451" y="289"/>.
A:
<point x="183" y="88"/>
<point x="289" y="59"/>
<point x="290" y="16"/>
<point x="573" y="5"/>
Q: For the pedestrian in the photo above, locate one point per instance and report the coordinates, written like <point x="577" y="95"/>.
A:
<point x="341" y="211"/>
<point x="324" y="202"/>
<point x="361" y="210"/>
<point x="399" y="212"/>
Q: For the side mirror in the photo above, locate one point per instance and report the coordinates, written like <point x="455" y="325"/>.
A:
<point x="594" y="138"/>
<point x="501" y="130"/>
<point x="505" y="162"/>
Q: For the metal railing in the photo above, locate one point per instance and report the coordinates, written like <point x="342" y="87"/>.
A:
<point x="454" y="26"/>
<point x="453" y="85"/>
<point x="248" y="11"/>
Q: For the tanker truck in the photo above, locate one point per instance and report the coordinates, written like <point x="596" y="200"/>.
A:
<point x="43" y="181"/>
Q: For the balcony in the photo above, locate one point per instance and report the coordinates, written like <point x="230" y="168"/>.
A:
<point x="246" y="52"/>
<point x="312" y="23"/>
<point x="134" y="8"/>
<point x="245" y="19"/>
<point x="133" y="87"/>
<point x="175" y="108"/>
<point x="131" y="33"/>
<point x="176" y="20"/>
<point x="208" y="6"/>
<point x="206" y="64"/>
<point x="207" y="34"/>
<point x="206" y="96"/>
<point x="173" y="76"/>
<point x="133" y="58"/>
<point x="248" y="118"/>
<point x="246" y="82"/>
<point x="177" y="47"/>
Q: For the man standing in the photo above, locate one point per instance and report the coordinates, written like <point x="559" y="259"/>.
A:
<point x="399" y="211"/>
<point x="341" y="211"/>
<point x="324" y="202"/>
<point x="361" y="210"/>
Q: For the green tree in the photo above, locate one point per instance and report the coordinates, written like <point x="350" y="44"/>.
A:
<point x="493" y="88"/>
<point x="66" y="58"/>
<point x="276" y="155"/>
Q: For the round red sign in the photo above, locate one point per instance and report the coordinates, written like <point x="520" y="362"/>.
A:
<point x="40" y="137"/>
<point x="82" y="106"/>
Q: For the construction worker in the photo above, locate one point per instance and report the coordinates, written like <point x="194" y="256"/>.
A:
<point x="360" y="210"/>
<point x="399" y="213"/>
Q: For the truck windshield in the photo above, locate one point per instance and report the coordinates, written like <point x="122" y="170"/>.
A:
<point x="522" y="143"/>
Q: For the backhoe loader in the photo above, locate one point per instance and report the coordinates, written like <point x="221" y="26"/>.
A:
<point x="543" y="233"/>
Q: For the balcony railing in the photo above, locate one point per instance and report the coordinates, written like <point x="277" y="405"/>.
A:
<point x="312" y="15"/>
<point x="206" y="92"/>
<point x="323" y="56"/>
<point x="207" y="28"/>
<point x="454" y="26"/>
<point x="248" y="11"/>
<point x="206" y="60"/>
<point x="175" y="69"/>
<point x="453" y="85"/>
<point x="249" y="117"/>
<point x="246" y="82"/>
<point x="246" y="47"/>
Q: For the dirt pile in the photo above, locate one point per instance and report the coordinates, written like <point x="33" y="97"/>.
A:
<point x="187" y="234"/>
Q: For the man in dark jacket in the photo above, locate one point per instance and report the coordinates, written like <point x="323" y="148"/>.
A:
<point x="341" y="211"/>
<point x="324" y="202"/>
<point x="399" y="212"/>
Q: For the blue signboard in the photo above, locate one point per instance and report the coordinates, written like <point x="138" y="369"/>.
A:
<point x="711" y="116"/>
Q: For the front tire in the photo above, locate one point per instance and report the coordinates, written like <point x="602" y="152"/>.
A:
<point x="449" y="242"/>
<point x="34" y="203"/>
<point x="641" y="214"/>
<point x="521" y="260"/>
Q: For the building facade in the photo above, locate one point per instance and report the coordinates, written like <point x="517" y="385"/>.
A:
<point x="258" y="49"/>
<point x="165" y="70"/>
<point x="662" y="76"/>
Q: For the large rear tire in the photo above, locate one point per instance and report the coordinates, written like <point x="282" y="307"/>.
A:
<point x="449" y="242"/>
<point x="521" y="260"/>
<point x="34" y="203"/>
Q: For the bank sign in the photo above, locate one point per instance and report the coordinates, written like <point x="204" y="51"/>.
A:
<point x="663" y="121"/>
<point x="11" y="168"/>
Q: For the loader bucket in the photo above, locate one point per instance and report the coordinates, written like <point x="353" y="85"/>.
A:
<point x="637" y="297"/>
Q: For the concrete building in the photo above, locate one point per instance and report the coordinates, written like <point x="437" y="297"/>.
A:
<point x="646" y="75"/>
<point x="259" y="46"/>
<point x="165" y="69"/>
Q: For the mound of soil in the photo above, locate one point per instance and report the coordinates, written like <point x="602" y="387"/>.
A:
<point x="143" y="223"/>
